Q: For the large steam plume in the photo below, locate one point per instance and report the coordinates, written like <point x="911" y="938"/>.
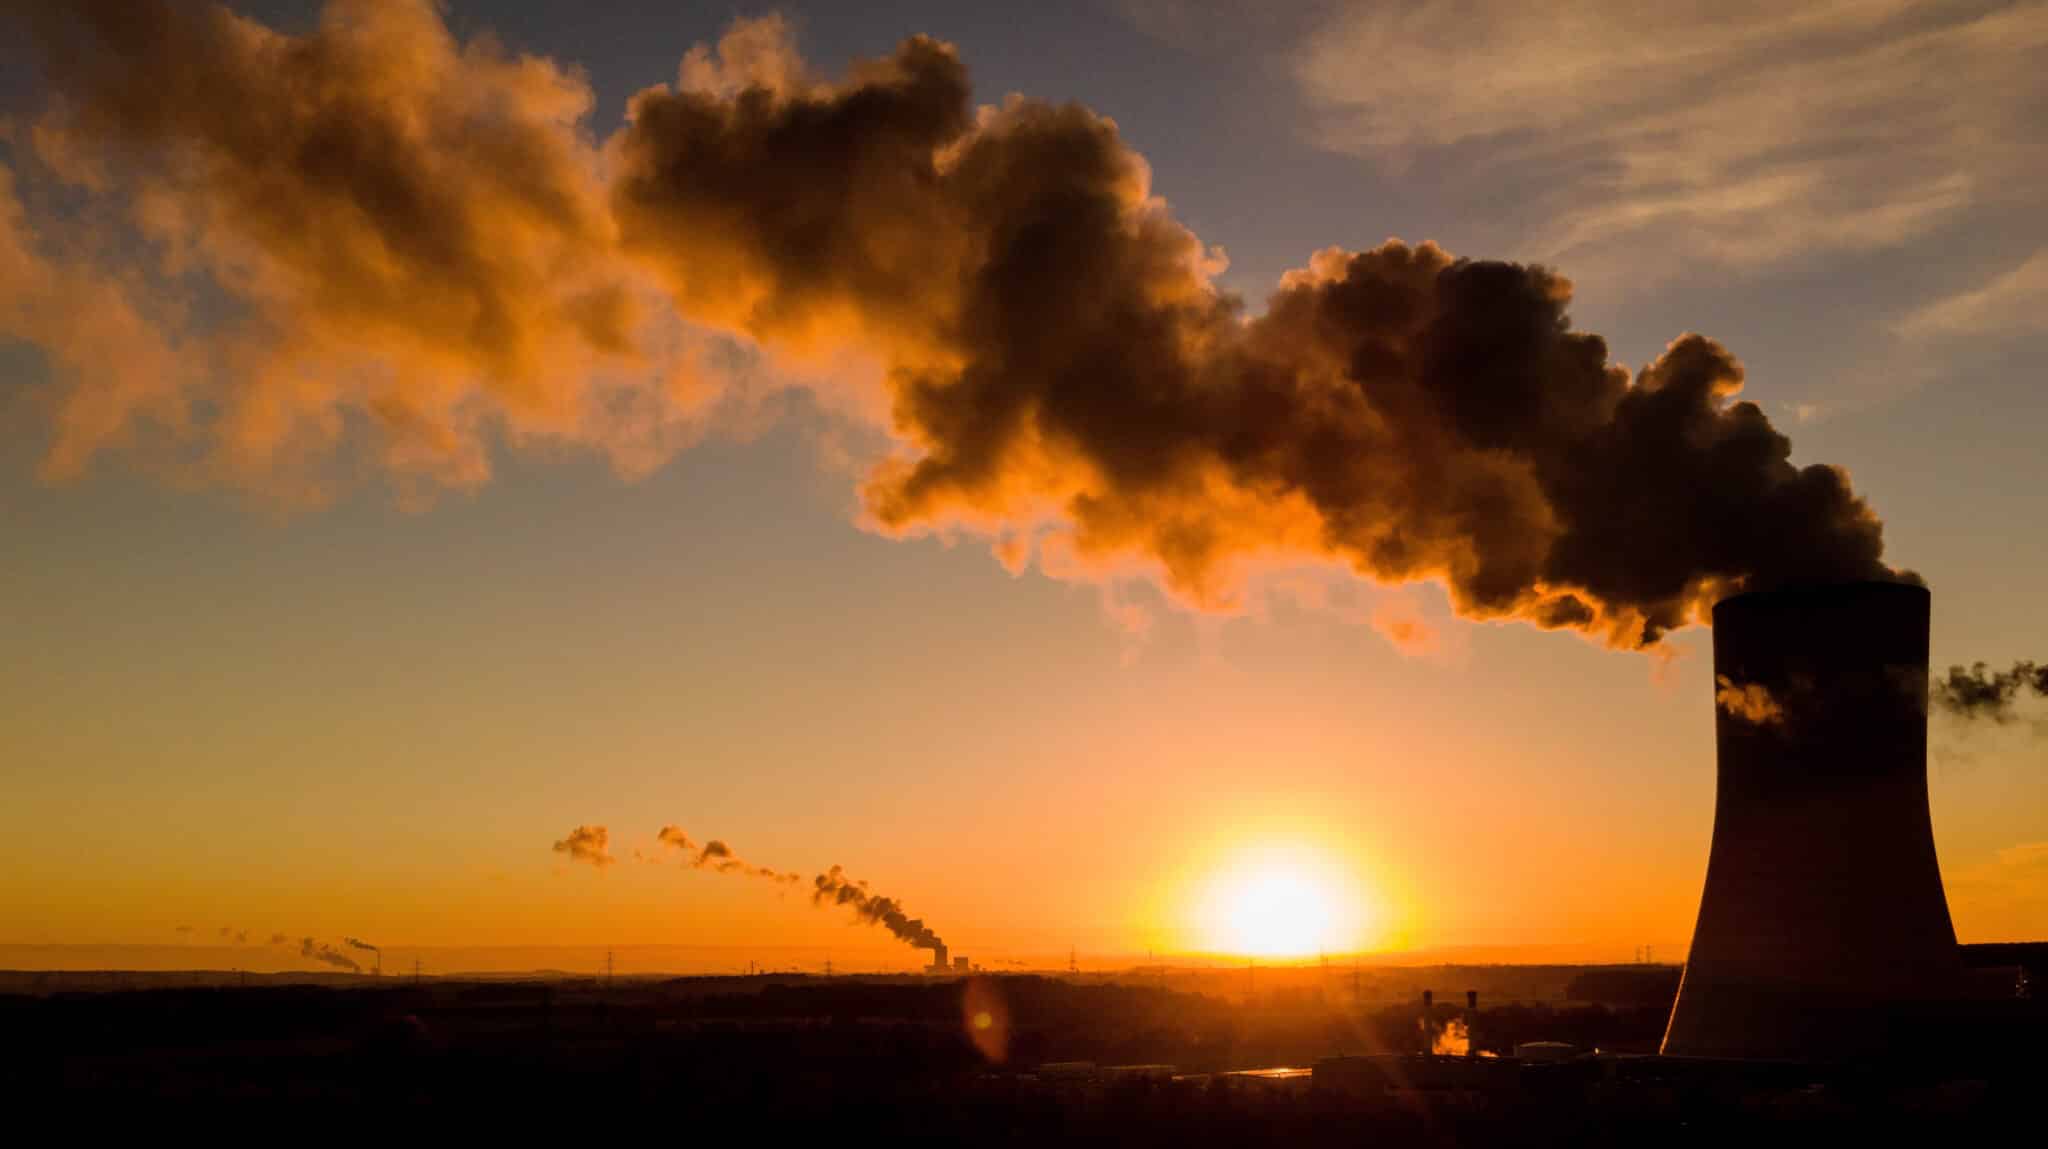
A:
<point x="1981" y="692"/>
<point x="428" y="249"/>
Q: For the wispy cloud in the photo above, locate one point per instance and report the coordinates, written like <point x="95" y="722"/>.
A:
<point x="2014" y="302"/>
<point x="1739" y="133"/>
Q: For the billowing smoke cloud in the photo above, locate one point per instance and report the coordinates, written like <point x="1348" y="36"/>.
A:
<point x="408" y="235"/>
<point x="1981" y="692"/>
<point x="280" y="940"/>
<point x="587" y="844"/>
<point x="322" y="952"/>
<point x="835" y="888"/>
<point x="718" y="857"/>
<point x="1067" y="376"/>
<point x="421" y="241"/>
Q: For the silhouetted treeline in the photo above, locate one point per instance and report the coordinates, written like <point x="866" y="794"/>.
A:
<point x="1628" y="985"/>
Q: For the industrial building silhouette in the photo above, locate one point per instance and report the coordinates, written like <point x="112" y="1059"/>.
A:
<point x="1823" y="931"/>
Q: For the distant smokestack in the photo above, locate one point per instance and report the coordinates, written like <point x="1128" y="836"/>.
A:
<point x="939" y="961"/>
<point x="1823" y="931"/>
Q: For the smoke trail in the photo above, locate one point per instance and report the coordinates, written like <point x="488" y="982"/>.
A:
<point x="834" y="887"/>
<point x="358" y="943"/>
<point x="718" y="857"/>
<point x="321" y="951"/>
<point x="428" y="247"/>
<point x="587" y="844"/>
<point x="1981" y="692"/>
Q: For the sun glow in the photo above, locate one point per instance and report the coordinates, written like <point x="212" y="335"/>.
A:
<point x="1280" y="906"/>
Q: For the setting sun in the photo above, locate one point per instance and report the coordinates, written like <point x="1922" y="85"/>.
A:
<point x="1280" y="906"/>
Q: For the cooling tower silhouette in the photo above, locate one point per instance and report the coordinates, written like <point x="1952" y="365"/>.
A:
<point x="1823" y="931"/>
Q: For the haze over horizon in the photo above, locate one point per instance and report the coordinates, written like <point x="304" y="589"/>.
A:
<point x="541" y="457"/>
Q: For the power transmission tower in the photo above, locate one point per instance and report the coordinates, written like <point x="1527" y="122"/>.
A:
<point x="1073" y="960"/>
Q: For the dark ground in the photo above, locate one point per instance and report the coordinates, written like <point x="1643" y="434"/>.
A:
<point x="902" y="1059"/>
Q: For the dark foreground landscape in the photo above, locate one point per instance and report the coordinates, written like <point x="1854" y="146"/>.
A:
<point x="1017" y="1059"/>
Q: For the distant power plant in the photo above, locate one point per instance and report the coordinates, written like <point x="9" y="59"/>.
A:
<point x="1823" y="931"/>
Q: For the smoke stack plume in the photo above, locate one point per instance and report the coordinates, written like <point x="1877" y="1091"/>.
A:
<point x="322" y="952"/>
<point x="1823" y="929"/>
<point x="426" y="241"/>
<point x="358" y="943"/>
<point x="832" y="888"/>
<point x="1981" y="692"/>
<point x="835" y="888"/>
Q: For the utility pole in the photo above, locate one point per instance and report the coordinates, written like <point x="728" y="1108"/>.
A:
<point x="415" y="972"/>
<point x="1251" y="979"/>
<point x="1073" y="960"/>
<point x="607" y="969"/>
<point x="828" y="967"/>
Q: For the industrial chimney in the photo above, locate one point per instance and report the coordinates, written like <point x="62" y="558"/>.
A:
<point x="1823" y="932"/>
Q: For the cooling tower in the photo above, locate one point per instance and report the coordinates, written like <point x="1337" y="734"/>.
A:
<point x="1823" y="932"/>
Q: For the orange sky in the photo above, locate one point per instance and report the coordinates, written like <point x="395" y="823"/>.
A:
<point x="346" y="575"/>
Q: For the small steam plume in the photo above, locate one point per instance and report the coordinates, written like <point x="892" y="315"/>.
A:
<point x="835" y="888"/>
<point x="322" y="952"/>
<point x="1453" y="1040"/>
<point x="423" y="238"/>
<point x="587" y="844"/>
<point x="1983" y="693"/>
<point x="1750" y="701"/>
